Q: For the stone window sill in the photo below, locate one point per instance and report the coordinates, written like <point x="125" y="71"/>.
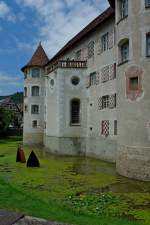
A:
<point x="75" y="125"/>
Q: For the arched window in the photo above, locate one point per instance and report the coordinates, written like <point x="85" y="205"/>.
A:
<point x="25" y="91"/>
<point x="75" y="112"/>
<point x="35" y="91"/>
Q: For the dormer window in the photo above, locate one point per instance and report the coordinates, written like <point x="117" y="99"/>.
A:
<point x="124" y="8"/>
<point x="147" y="3"/>
<point x="35" y="72"/>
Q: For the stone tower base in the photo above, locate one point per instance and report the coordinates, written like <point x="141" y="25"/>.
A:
<point x="134" y="162"/>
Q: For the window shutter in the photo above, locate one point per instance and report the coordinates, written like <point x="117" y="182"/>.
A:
<point x="111" y="39"/>
<point x="105" y="74"/>
<point x="100" y="103"/>
<point x="112" y="101"/>
<point x="85" y="53"/>
<point x="88" y="81"/>
<point x="97" y="77"/>
<point x="112" y="71"/>
<point x="100" y="50"/>
<point x="105" y="127"/>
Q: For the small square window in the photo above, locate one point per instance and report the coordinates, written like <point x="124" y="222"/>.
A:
<point x="133" y="83"/>
<point x="35" y="109"/>
<point x="34" y="123"/>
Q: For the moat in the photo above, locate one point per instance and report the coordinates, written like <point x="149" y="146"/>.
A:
<point x="82" y="185"/>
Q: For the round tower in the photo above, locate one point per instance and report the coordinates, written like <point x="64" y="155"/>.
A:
<point x="33" y="129"/>
<point x="133" y="84"/>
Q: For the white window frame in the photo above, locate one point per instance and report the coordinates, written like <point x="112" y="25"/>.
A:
<point x="124" y="8"/>
<point x="105" y="42"/>
<point x="105" y="101"/>
<point x="38" y="109"/>
<point x="32" y="93"/>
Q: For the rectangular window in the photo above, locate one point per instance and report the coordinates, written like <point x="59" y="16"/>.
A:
<point x="75" y="112"/>
<point x="148" y="45"/>
<point x="105" y="42"/>
<point x="115" y="127"/>
<point x="147" y="3"/>
<point x="92" y="79"/>
<point x="133" y="85"/>
<point x="34" y="123"/>
<point x="105" y="101"/>
<point x="125" y="52"/>
<point x="35" y="109"/>
<point x="78" y="55"/>
<point x="91" y="49"/>
<point x="35" y="72"/>
<point x="35" y="91"/>
<point x="124" y="8"/>
<point x="105" y="127"/>
<point x="25" y="108"/>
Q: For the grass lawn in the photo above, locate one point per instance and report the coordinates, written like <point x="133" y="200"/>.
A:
<point x="74" y="190"/>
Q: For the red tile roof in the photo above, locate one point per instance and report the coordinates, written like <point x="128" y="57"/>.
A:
<point x="89" y="28"/>
<point x="39" y="58"/>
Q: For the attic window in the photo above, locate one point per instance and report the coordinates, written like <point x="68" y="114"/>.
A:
<point x="35" y="72"/>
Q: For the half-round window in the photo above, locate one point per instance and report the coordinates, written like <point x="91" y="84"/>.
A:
<point x="75" y="80"/>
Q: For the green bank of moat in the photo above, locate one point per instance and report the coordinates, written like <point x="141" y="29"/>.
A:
<point x="77" y="190"/>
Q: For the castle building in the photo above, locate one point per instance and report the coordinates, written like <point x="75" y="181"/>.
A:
<point x="92" y="98"/>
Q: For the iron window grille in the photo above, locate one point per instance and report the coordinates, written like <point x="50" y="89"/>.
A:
<point x="91" y="49"/>
<point x="75" y="112"/>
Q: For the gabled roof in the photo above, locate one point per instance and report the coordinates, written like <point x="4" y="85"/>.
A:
<point x="89" y="28"/>
<point x="39" y="58"/>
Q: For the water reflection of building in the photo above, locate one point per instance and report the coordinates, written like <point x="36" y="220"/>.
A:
<point x="92" y="97"/>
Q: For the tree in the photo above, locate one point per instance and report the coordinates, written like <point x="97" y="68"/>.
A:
<point x="6" y="118"/>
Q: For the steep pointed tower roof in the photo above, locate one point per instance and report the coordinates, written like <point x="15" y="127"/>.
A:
<point x="39" y="58"/>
